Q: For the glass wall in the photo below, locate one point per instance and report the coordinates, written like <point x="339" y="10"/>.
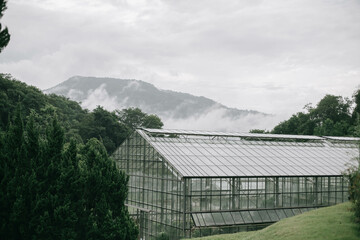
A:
<point x="155" y="189"/>
<point x="214" y="194"/>
<point x="222" y="203"/>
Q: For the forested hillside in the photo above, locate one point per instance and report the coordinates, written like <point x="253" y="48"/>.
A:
<point x="332" y="116"/>
<point x="111" y="128"/>
<point x="57" y="181"/>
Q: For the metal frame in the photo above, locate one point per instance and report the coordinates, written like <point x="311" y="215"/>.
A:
<point x="172" y="203"/>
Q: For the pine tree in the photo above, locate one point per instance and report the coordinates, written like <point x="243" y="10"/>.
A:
<point x="70" y="186"/>
<point x="49" y="205"/>
<point x="11" y="163"/>
<point x="105" y="194"/>
<point x="4" y="33"/>
<point x="51" y="191"/>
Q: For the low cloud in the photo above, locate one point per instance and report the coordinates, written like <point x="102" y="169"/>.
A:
<point x="74" y="94"/>
<point x="133" y="85"/>
<point x="216" y="120"/>
<point x="100" y="96"/>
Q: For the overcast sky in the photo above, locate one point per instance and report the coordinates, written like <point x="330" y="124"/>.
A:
<point x="273" y="56"/>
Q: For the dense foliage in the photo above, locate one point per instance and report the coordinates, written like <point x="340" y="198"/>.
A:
<point x="332" y="116"/>
<point x="354" y="190"/>
<point x="111" y="128"/>
<point x="353" y="172"/>
<point x="53" y="185"/>
<point x="52" y="190"/>
<point x="135" y="118"/>
<point x="4" y="33"/>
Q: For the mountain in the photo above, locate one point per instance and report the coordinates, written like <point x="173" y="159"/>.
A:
<point x="176" y="109"/>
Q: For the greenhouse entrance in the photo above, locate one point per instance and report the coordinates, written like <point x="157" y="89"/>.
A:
<point x="195" y="183"/>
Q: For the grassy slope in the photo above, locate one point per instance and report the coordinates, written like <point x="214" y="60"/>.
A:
<point x="335" y="222"/>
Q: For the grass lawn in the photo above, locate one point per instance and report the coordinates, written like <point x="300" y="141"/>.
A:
<point x="336" y="222"/>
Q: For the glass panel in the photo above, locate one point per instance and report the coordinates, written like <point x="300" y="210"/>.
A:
<point x="281" y="213"/>
<point x="201" y="220"/>
<point x="228" y="218"/>
<point x="273" y="216"/>
<point x="208" y="219"/>
<point x="237" y="217"/>
<point x="247" y="217"/>
<point x="196" y="220"/>
<point x="296" y="211"/>
<point x="256" y="216"/>
<point x="218" y="219"/>
<point x="288" y="212"/>
<point x="264" y="216"/>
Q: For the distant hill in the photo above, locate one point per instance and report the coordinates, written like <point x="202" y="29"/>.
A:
<point x="176" y="109"/>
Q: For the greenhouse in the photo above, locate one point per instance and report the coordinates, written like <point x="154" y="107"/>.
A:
<point x="197" y="183"/>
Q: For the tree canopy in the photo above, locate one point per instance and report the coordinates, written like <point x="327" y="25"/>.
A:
<point x="53" y="190"/>
<point x="135" y="118"/>
<point x="332" y="116"/>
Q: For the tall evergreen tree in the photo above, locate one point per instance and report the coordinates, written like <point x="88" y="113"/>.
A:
<point x="105" y="194"/>
<point x="4" y="33"/>
<point x="48" y="191"/>
<point x="15" y="174"/>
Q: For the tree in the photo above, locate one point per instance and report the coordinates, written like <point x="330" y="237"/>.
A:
<point x="51" y="190"/>
<point x="106" y="127"/>
<point x="300" y="123"/>
<point x="4" y="33"/>
<point x="258" y="131"/>
<point x="152" y="121"/>
<point x="132" y="117"/>
<point x="135" y="118"/>
<point x="353" y="173"/>
<point x="356" y="111"/>
<point x="335" y="108"/>
<point x="105" y="193"/>
<point x="11" y="167"/>
<point x="331" y="116"/>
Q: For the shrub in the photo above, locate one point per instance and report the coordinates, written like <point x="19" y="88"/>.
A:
<point x="354" y="192"/>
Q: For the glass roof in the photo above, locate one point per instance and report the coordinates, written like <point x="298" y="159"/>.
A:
<point x="209" y="154"/>
<point x="342" y="138"/>
<point x="230" y="134"/>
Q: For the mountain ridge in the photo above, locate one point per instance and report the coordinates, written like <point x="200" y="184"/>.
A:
<point x="171" y="106"/>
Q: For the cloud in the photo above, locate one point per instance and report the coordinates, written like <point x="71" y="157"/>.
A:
<point x="133" y="85"/>
<point x="215" y="120"/>
<point x="100" y="97"/>
<point x="271" y="56"/>
<point x="73" y="94"/>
